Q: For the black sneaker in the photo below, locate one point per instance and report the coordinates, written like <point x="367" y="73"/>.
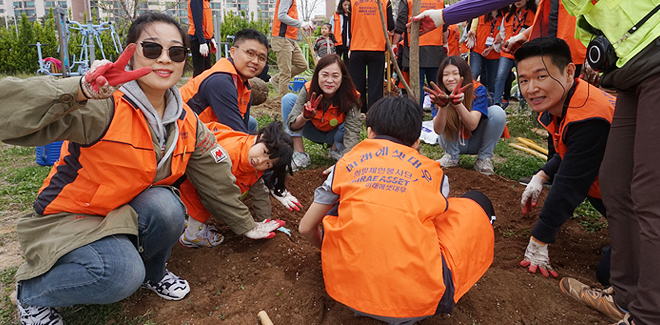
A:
<point x="526" y="180"/>
<point x="170" y="287"/>
<point x="36" y="315"/>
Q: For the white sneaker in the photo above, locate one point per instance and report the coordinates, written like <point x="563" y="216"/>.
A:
<point x="207" y="236"/>
<point x="484" y="166"/>
<point x="447" y="161"/>
<point x="170" y="287"/>
<point x="300" y="160"/>
<point x="38" y="315"/>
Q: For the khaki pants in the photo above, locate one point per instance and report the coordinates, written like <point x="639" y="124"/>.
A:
<point x="290" y="61"/>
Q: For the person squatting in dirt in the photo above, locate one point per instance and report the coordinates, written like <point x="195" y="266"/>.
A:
<point x="433" y="254"/>
<point x="250" y="155"/>
<point x="108" y="204"/>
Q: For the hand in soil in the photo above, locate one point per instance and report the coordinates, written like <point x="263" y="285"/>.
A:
<point x="536" y="258"/>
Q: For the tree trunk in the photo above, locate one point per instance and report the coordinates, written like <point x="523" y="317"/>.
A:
<point x="414" y="52"/>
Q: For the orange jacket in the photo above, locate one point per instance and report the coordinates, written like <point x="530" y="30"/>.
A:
<point x="485" y="30"/>
<point x="565" y="29"/>
<point x="190" y="89"/>
<point x="237" y="144"/>
<point x="337" y="30"/>
<point x="281" y="29"/>
<point x="434" y="37"/>
<point x="207" y="21"/>
<point x="79" y="181"/>
<point x="328" y="120"/>
<point x="366" y="26"/>
<point x="587" y="102"/>
<point x="381" y="253"/>
<point x="516" y="22"/>
<point x="453" y="40"/>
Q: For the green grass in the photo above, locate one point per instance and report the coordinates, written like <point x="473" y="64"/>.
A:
<point x="589" y="218"/>
<point x="23" y="184"/>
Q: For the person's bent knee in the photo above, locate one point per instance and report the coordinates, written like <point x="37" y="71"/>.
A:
<point x="496" y="115"/>
<point x="483" y="201"/>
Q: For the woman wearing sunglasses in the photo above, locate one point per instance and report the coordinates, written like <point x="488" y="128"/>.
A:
<point x="107" y="216"/>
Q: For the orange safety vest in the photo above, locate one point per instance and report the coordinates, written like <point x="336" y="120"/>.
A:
<point x="565" y="29"/>
<point x="453" y="40"/>
<point x="281" y="29"/>
<point x="190" y="90"/>
<point x="95" y="179"/>
<point x="207" y="21"/>
<point x="382" y="252"/>
<point x="366" y="26"/>
<point x="237" y="144"/>
<point x="587" y="102"/>
<point x="337" y="30"/>
<point x="434" y="37"/>
<point x="515" y="23"/>
<point x="326" y="120"/>
<point x="484" y="30"/>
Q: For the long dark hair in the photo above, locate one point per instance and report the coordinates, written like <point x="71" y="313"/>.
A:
<point x="500" y="13"/>
<point x="340" y="8"/>
<point x="531" y="5"/>
<point x="331" y="35"/>
<point x="452" y="125"/>
<point x="280" y="147"/>
<point x="346" y="96"/>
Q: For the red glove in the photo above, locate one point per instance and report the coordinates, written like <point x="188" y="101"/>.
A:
<point x="214" y="46"/>
<point x="457" y="95"/>
<point x="105" y="77"/>
<point x="438" y="97"/>
<point x="395" y="50"/>
<point x="309" y="109"/>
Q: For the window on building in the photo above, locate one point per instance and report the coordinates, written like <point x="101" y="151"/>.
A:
<point x="29" y="4"/>
<point x="62" y="4"/>
<point x="216" y="5"/>
<point x="18" y="4"/>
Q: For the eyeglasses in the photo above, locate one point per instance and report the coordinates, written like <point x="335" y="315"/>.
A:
<point x="152" y="50"/>
<point x="251" y="55"/>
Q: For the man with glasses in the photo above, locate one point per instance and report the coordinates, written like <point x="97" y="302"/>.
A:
<point x="223" y="93"/>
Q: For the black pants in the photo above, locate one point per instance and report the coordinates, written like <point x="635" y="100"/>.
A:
<point x="342" y="51"/>
<point x="200" y="63"/>
<point x="374" y="61"/>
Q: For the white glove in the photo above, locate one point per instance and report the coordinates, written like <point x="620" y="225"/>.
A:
<point x="471" y="41"/>
<point x="288" y="201"/>
<point x="204" y="49"/>
<point x="531" y="194"/>
<point x="508" y="45"/>
<point x="264" y="229"/>
<point x="214" y="46"/>
<point x="306" y="25"/>
<point x="329" y="170"/>
<point x="536" y="257"/>
<point x="429" y="20"/>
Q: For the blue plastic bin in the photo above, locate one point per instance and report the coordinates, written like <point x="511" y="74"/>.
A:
<point x="47" y="155"/>
<point x="297" y="84"/>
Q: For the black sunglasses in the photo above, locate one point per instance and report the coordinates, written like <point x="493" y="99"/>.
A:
<point x="152" y="50"/>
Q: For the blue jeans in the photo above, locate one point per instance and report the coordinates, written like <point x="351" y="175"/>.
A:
<point x="503" y="70"/>
<point x="431" y="74"/>
<point x="483" y="140"/>
<point x="111" y="268"/>
<point x="309" y="131"/>
<point x="485" y="68"/>
<point x="252" y="125"/>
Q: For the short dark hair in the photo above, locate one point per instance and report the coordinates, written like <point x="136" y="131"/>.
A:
<point x="138" y="26"/>
<point x="556" y="48"/>
<point x="280" y="147"/>
<point x="340" y="7"/>
<point x="398" y="117"/>
<point x="250" y="34"/>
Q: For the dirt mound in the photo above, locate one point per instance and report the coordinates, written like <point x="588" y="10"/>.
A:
<point x="231" y="283"/>
<point x="259" y="91"/>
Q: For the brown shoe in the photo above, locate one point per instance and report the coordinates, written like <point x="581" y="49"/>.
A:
<point x="627" y="320"/>
<point x="598" y="299"/>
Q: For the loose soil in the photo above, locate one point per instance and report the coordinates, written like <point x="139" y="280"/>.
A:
<point x="232" y="282"/>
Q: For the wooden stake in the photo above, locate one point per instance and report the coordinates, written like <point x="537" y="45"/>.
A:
<point x="389" y="45"/>
<point x="389" y="71"/>
<point x="311" y="46"/>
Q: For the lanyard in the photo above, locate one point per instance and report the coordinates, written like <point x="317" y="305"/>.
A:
<point x="519" y="22"/>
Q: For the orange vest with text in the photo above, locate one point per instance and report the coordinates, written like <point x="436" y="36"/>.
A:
<point x="96" y="178"/>
<point x="237" y="144"/>
<point x="453" y="40"/>
<point x="484" y="30"/>
<point x="328" y="120"/>
<point x="337" y="30"/>
<point x="517" y="21"/>
<point x="366" y="26"/>
<point x="382" y="244"/>
<point x="190" y="89"/>
<point x="587" y="102"/>
<point x="434" y="37"/>
<point x="281" y="29"/>
<point x="565" y="29"/>
<point x="207" y="21"/>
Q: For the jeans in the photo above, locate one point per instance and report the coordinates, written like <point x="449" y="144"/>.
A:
<point x="252" y="125"/>
<point x="309" y="131"/>
<point x="485" y="68"/>
<point x="483" y="140"/>
<point x="113" y="267"/>
<point x="503" y="70"/>
<point x="431" y="74"/>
